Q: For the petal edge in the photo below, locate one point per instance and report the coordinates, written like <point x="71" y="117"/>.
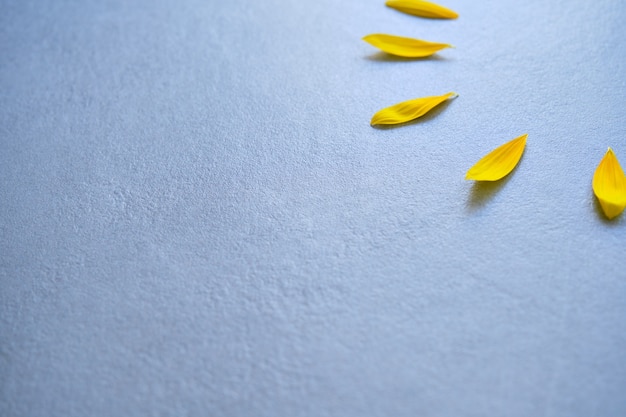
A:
<point x="498" y="163"/>
<point x="609" y="185"/>
<point x="408" y="110"/>
<point x="403" y="46"/>
<point x="422" y="9"/>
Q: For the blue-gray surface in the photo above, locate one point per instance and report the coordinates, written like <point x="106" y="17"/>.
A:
<point x="196" y="218"/>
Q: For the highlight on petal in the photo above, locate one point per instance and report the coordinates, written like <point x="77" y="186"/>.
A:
<point x="422" y="9"/>
<point x="408" y="110"/>
<point x="499" y="162"/>
<point x="406" y="47"/>
<point x="609" y="185"/>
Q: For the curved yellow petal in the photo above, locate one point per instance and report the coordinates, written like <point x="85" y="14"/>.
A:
<point x="609" y="185"/>
<point x="499" y="162"/>
<point x="406" y="47"/>
<point x="422" y="9"/>
<point x="408" y="110"/>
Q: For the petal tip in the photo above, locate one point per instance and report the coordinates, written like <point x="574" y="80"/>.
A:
<point x="523" y="138"/>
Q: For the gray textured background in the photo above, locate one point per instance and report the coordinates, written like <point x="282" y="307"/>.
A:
<point x="196" y="218"/>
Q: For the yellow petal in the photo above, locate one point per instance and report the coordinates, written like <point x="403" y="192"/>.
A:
<point x="499" y="162"/>
<point x="406" y="47"/>
<point x="408" y="110"/>
<point x="609" y="185"/>
<point x="422" y="9"/>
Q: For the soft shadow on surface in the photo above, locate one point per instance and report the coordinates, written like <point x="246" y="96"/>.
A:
<point x="385" y="57"/>
<point x="436" y="111"/>
<point x="483" y="191"/>
<point x="602" y="217"/>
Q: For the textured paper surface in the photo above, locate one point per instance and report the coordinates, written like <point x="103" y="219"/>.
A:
<point x="197" y="219"/>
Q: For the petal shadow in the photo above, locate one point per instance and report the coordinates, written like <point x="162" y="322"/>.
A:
<point x="484" y="191"/>
<point x="385" y="57"/>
